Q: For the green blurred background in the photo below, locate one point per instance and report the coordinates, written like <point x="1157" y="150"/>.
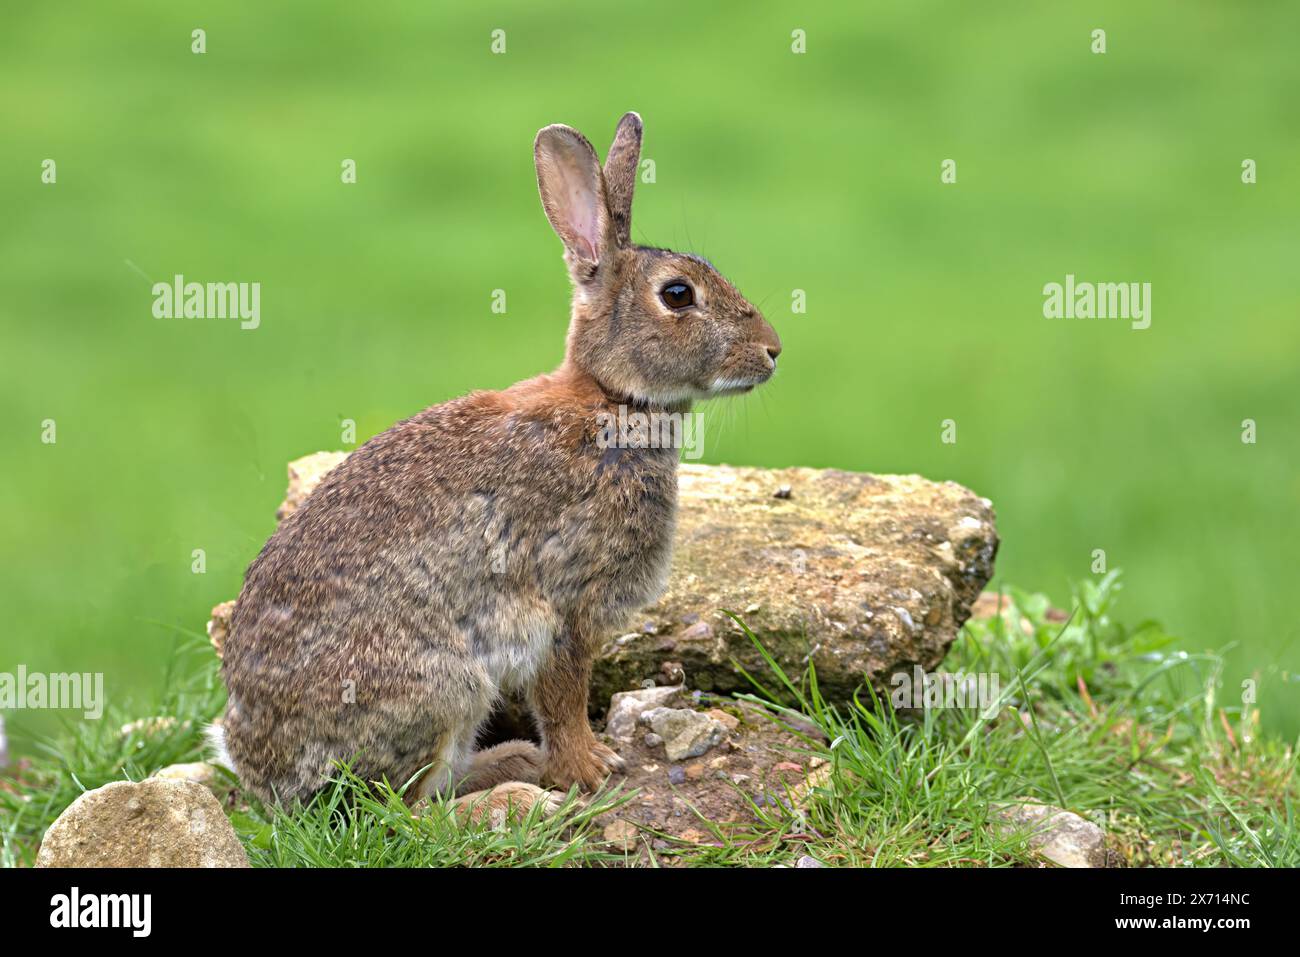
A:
<point x="817" y="172"/>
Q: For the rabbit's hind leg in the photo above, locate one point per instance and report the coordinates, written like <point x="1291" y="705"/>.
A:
<point x="506" y="802"/>
<point x="511" y="761"/>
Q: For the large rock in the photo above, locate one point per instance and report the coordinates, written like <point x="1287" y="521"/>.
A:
<point x="159" y="822"/>
<point x="863" y="575"/>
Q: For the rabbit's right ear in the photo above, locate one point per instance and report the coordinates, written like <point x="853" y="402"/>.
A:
<point x="620" y="174"/>
<point x="573" y="195"/>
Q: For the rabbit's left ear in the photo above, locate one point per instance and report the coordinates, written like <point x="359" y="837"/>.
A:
<point x="573" y="195"/>
<point x="620" y="175"/>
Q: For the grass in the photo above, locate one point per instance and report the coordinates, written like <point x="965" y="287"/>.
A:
<point x="355" y="825"/>
<point x="1107" y="720"/>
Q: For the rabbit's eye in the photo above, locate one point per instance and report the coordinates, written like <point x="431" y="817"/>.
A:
<point x="677" y="295"/>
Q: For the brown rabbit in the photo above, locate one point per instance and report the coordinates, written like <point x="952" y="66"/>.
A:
<point x="490" y="543"/>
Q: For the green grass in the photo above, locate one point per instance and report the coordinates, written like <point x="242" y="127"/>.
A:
<point x="355" y="824"/>
<point x="1107" y="720"/>
<point x="817" y="172"/>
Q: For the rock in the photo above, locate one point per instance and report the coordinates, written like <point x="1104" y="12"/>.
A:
<point x="652" y="740"/>
<point x="1060" y="836"/>
<point x="686" y="733"/>
<point x="727" y="720"/>
<point x="818" y="777"/>
<point x="808" y="861"/>
<point x="676" y="774"/>
<point x="200" y="772"/>
<point x="863" y="575"/>
<point x="219" y="625"/>
<point x="622" y="834"/>
<point x="304" y="475"/>
<point x="626" y="708"/>
<point x="158" y="822"/>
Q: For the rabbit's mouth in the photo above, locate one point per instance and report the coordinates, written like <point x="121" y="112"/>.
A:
<point x="725" y="387"/>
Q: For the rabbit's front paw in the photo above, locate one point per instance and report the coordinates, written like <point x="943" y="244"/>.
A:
<point x="587" y="765"/>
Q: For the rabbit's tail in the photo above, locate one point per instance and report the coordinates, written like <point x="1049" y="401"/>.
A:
<point x="215" y="733"/>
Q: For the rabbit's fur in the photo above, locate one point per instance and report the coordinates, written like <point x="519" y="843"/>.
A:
<point x="490" y="543"/>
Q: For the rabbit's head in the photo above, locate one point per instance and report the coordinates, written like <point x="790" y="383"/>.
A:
<point x="651" y="325"/>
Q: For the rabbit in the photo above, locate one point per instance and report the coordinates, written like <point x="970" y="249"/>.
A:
<point x="490" y="544"/>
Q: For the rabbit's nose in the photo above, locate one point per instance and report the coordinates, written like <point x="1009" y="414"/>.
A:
<point x="773" y="352"/>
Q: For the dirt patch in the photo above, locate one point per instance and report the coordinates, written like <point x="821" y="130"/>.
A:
<point x="714" y="798"/>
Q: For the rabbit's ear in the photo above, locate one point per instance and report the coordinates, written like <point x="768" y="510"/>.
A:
<point x="573" y="195"/>
<point x="620" y="175"/>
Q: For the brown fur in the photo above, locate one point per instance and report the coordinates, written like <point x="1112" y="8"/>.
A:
<point x="492" y="542"/>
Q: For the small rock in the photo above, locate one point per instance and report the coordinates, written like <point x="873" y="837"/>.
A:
<point x="200" y="772"/>
<point x="671" y="673"/>
<point x="1062" y="837"/>
<point x="676" y="774"/>
<point x="818" y="777"/>
<point x="622" y="834"/>
<point x="694" y="771"/>
<point x="783" y="491"/>
<point x="808" y="861"/>
<point x="698" y="632"/>
<point x="652" y="740"/>
<point x="626" y="708"/>
<point x="158" y="822"/>
<point x="691" y="835"/>
<point x="727" y="720"/>
<point x="686" y="733"/>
